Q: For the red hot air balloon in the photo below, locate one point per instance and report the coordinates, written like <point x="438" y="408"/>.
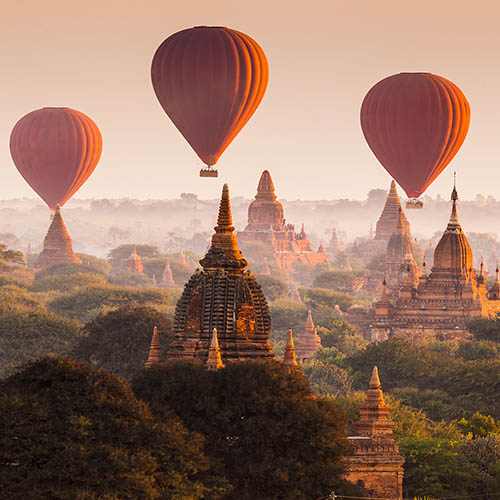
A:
<point x="209" y="81"/>
<point x="55" y="150"/>
<point x="415" y="124"/>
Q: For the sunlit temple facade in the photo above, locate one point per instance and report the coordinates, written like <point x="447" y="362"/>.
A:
<point x="442" y="301"/>
<point x="266" y="224"/>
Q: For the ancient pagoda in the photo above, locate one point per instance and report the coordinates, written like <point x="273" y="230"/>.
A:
<point x="224" y="296"/>
<point x="443" y="300"/>
<point x="386" y="224"/>
<point x="167" y="279"/>
<point x="335" y="247"/>
<point x="289" y="358"/>
<point x="134" y="262"/>
<point x="266" y="224"/>
<point x="57" y="245"/>
<point x="375" y="463"/>
<point x="309" y="342"/>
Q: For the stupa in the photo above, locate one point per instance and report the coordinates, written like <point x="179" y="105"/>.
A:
<point x="134" y="262"/>
<point x="167" y="279"/>
<point x="57" y="245"/>
<point x="309" y="342"/>
<point x="224" y="296"/>
<point x="375" y="463"/>
<point x="154" y="357"/>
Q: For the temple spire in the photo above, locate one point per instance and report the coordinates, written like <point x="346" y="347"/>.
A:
<point x="154" y="357"/>
<point x="265" y="189"/>
<point x="454" y="223"/>
<point x="289" y="359"/>
<point x="134" y="262"/>
<point x="214" y="360"/>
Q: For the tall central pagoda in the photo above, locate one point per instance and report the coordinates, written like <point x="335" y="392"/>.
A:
<point x="223" y="296"/>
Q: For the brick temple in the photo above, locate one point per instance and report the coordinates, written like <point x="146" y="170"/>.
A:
<point x="442" y="301"/>
<point x="222" y="296"/>
<point x="375" y="463"/>
<point x="57" y="245"/>
<point x="266" y="224"/>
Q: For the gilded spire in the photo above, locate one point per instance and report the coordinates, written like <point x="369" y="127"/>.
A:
<point x="154" y="357"/>
<point x="214" y="360"/>
<point x="375" y="380"/>
<point x="289" y="359"/>
<point x="309" y="322"/>
<point x="134" y="263"/>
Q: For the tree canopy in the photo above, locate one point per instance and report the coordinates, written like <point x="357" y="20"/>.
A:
<point x="72" y="432"/>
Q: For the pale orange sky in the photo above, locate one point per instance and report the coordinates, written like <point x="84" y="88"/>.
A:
<point x="323" y="55"/>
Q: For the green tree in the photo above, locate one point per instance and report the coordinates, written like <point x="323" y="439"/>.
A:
<point x="119" y="340"/>
<point x="482" y="349"/>
<point x="485" y="328"/>
<point x="326" y="378"/>
<point x="273" y="288"/>
<point x="118" y="256"/>
<point x="29" y="332"/>
<point x="71" y="432"/>
<point x="435" y="467"/>
<point x="126" y="278"/>
<point x="66" y="270"/>
<point x="87" y="303"/>
<point x="479" y="425"/>
<point x="67" y="282"/>
<point x="339" y="281"/>
<point x="318" y="299"/>
<point x="94" y="262"/>
<point x="271" y="439"/>
<point x="10" y="257"/>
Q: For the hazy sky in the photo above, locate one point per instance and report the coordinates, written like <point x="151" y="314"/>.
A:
<point x="324" y="56"/>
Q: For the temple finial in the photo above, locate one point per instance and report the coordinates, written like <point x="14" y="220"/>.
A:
<point x="289" y="358"/>
<point x="225" y="219"/>
<point x="154" y="357"/>
<point x="214" y="360"/>
<point x="375" y="380"/>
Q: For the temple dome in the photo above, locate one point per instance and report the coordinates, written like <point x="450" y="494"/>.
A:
<point x="223" y="296"/>
<point x="453" y="251"/>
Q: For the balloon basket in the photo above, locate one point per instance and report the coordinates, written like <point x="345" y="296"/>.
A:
<point x="414" y="203"/>
<point x="209" y="172"/>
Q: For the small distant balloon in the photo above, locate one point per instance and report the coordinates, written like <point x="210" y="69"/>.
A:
<point x="209" y="81"/>
<point x="55" y="150"/>
<point x="415" y="123"/>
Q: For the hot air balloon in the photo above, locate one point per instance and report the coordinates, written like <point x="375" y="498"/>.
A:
<point x="55" y="150"/>
<point x="415" y="123"/>
<point x="209" y="81"/>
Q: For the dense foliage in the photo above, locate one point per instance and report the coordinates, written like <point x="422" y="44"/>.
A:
<point x="119" y="340"/>
<point x="269" y="438"/>
<point x="71" y="432"/>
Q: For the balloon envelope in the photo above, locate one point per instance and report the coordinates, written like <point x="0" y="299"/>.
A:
<point x="209" y="81"/>
<point x="55" y="150"/>
<point x="415" y="124"/>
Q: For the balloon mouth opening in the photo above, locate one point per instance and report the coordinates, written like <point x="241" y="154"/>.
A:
<point x="414" y="73"/>
<point x="55" y="107"/>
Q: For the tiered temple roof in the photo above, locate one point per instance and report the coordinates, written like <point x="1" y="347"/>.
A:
<point x="376" y="463"/>
<point x="223" y="296"/>
<point x="57" y="245"/>
<point x="390" y="215"/>
<point x="444" y="299"/>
